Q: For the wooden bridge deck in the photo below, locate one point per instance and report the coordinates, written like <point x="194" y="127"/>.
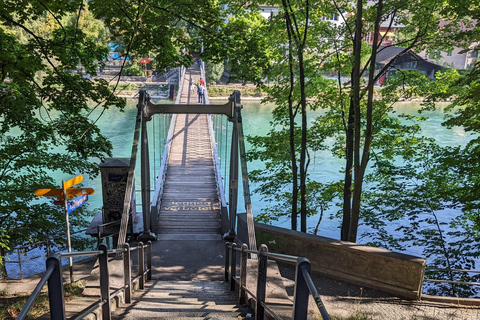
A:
<point x="190" y="205"/>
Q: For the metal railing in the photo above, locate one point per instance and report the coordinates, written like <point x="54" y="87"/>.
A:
<point x="20" y="268"/>
<point x="453" y="282"/>
<point x="53" y="278"/>
<point x="304" y="285"/>
<point x="108" y="230"/>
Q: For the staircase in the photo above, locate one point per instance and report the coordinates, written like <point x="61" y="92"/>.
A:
<point x="185" y="300"/>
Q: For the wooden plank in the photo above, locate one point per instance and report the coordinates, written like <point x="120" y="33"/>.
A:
<point x="190" y="203"/>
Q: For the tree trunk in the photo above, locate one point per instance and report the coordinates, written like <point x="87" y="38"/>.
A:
<point x="347" y="187"/>
<point x="3" y="269"/>
<point x="292" y="114"/>
<point x="357" y="52"/>
<point x="303" y="153"/>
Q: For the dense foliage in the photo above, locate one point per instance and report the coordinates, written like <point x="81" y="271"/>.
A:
<point x="393" y="175"/>
<point x="50" y="100"/>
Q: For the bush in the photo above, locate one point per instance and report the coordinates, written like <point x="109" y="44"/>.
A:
<point x="225" y="91"/>
<point x="133" y="70"/>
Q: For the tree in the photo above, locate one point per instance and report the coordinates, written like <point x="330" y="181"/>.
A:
<point x="46" y="107"/>
<point x="420" y="21"/>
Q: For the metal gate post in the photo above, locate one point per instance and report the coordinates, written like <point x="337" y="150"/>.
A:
<point x="55" y="288"/>
<point x="301" y="293"/>
<point x="261" y="282"/>
<point x="104" y="281"/>
<point x="127" y="273"/>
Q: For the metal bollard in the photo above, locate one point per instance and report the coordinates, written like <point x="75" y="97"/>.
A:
<point x="243" y="275"/>
<point x="55" y="288"/>
<point x="149" y="260"/>
<point x="141" y="266"/>
<point x="301" y="293"/>
<point x="233" y="267"/>
<point x="104" y="281"/>
<point x="127" y="273"/>
<point x="261" y="282"/>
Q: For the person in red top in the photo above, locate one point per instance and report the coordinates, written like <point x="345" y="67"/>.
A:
<point x="201" y="82"/>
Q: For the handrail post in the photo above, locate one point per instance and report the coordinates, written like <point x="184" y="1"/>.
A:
<point x="127" y="273"/>
<point x="149" y="260"/>
<point x="55" y="288"/>
<point x="301" y="293"/>
<point x="227" y="260"/>
<point x="243" y="275"/>
<point x="98" y="235"/>
<point x="141" y="265"/>
<point x="20" y="263"/>
<point x="233" y="267"/>
<point x="261" y="281"/>
<point x="104" y="281"/>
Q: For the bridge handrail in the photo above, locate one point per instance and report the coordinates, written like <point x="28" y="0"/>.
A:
<point x="218" y="176"/>
<point x="304" y="285"/>
<point x="163" y="168"/>
<point x="206" y="99"/>
<point x="131" y="176"/>
<point x="157" y="196"/>
<point x="180" y="84"/>
<point x="468" y="283"/>
<point x="53" y="276"/>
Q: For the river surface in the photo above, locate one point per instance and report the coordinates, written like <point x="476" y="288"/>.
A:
<point x="118" y="127"/>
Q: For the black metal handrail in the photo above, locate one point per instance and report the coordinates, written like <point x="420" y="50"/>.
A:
<point x="53" y="276"/>
<point x="108" y="229"/>
<point x="304" y="285"/>
<point x="467" y="283"/>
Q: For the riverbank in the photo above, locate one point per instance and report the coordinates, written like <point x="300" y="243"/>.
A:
<point x="219" y="92"/>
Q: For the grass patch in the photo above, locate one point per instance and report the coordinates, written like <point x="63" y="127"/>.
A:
<point x="124" y="86"/>
<point x="11" y="305"/>
<point x="225" y="91"/>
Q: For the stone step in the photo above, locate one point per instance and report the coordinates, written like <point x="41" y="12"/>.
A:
<point x="185" y="300"/>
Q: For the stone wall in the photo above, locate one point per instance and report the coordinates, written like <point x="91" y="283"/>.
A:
<point x="391" y="272"/>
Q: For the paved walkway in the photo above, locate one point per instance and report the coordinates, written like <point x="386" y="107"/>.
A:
<point x="343" y="299"/>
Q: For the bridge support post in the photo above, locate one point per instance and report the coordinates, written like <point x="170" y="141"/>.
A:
<point x="145" y="171"/>
<point x="233" y="186"/>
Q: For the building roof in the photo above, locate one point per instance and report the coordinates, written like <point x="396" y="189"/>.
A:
<point x="387" y="53"/>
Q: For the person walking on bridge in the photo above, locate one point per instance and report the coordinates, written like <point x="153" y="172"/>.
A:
<point x="201" y="94"/>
